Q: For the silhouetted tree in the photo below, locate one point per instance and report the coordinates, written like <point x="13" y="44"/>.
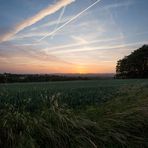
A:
<point x="134" y="65"/>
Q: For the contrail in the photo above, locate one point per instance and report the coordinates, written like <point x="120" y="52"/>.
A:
<point x="72" y="19"/>
<point x="59" y="20"/>
<point x="51" y="9"/>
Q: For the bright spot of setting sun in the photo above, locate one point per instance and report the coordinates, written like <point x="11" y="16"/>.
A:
<point x="81" y="70"/>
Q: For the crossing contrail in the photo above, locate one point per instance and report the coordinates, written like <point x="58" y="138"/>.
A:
<point x="72" y="19"/>
<point x="59" y="20"/>
<point x="49" y="10"/>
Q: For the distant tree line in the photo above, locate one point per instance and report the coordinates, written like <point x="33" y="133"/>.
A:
<point x="12" y="78"/>
<point x="134" y="65"/>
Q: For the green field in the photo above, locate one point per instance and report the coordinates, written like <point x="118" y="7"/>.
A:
<point x="74" y="114"/>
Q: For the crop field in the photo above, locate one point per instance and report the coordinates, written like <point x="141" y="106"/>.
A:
<point x="74" y="114"/>
<point x="73" y="93"/>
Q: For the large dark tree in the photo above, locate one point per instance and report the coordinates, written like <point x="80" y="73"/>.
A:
<point x="134" y="65"/>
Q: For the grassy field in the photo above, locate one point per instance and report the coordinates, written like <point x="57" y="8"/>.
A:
<point x="74" y="114"/>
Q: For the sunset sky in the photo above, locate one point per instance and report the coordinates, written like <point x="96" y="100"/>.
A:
<point x="49" y="36"/>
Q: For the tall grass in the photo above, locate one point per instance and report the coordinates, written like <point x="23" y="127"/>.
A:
<point x="50" y="123"/>
<point x="53" y="127"/>
<point x="123" y="120"/>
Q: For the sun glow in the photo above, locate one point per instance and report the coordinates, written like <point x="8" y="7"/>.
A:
<point x="81" y="69"/>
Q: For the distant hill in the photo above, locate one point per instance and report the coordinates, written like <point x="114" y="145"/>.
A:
<point x="86" y="75"/>
<point x="12" y="78"/>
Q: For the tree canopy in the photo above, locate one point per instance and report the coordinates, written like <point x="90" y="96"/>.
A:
<point x="134" y="65"/>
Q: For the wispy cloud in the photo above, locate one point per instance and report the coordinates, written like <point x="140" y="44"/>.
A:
<point x="30" y="60"/>
<point x="81" y="42"/>
<point x="12" y="51"/>
<point x="118" y="5"/>
<point x="32" y="20"/>
<point x="110" y="47"/>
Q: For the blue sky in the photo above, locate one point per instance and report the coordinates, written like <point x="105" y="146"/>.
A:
<point x="92" y="43"/>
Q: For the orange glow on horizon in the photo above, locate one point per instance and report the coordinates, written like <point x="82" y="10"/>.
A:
<point x="59" y="68"/>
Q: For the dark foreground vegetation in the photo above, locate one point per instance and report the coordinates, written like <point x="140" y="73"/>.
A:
<point x="134" y="65"/>
<point x="78" y="114"/>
